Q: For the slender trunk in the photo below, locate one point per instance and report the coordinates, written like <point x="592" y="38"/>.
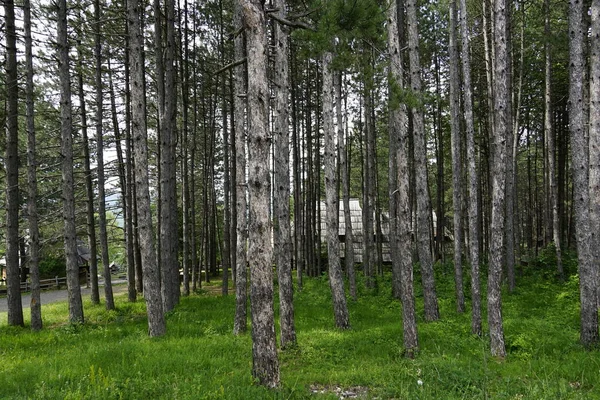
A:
<point x="32" y="211"/>
<point x="502" y="126"/>
<point x="89" y="188"/>
<point x="399" y="132"/>
<point x="129" y="206"/>
<point x="241" y="292"/>
<point x="151" y="274"/>
<point x="423" y="231"/>
<point x="340" y="308"/>
<point x="281" y="205"/>
<point x="474" y="211"/>
<point x="550" y="142"/>
<point x="345" y="180"/>
<point x="586" y="185"/>
<point x="226" y="254"/>
<point x="108" y="294"/>
<point x="68" y="191"/>
<point x="456" y="158"/>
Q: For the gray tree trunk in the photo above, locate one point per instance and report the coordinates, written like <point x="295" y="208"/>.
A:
<point x="32" y="191"/>
<point x="108" y="294"/>
<point x="345" y="178"/>
<point x="423" y="231"/>
<point x="340" y="307"/>
<point x="66" y="149"/>
<point x="264" y="347"/>
<point x="169" y="234"/>
<point x="398" y="125"/>
<point x="550" y="143"/>
<point x="456" y="138"/>
<point x="502" y="126"/>
<point x="151" y="274"/>
<point x="583" y="168"/>
<point x="594" y="151"/>
<point x="89" y="186"/>
<point x="239" y="105"/>
<point x="474" y="232"/>
<point x="281" y="205"/>
<point x="13" y="282"/>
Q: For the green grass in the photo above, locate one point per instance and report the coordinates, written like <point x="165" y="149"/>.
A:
<point x="111" y="357"/>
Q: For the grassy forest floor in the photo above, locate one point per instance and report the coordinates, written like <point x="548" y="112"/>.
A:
<point x="111" y="356"/>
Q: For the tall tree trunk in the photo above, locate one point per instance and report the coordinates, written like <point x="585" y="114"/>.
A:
<point x="241" y="295"/>
<point x="13" y="294"/>
<point x="423" y="231"/>
<point x="129" y="198"/>
<point x="32" y="211"/>
<point x="398" y="132"/>
<point x="340" y="307"/>
<point x="281" y="205"/>
<point x="151" y="273"/>
<point x="226" y="254"/>
<point x="66" y="149"/>
<point x="502" y="125"/>
<point x="456" y="158"/>
<point x="368" y="190"/>
<point x="550" y="142"/>
<point x="584" y="163"/>
<point x="265" y="366"/>
<point x="345" y="180"/>
<point x="474" y="213"/>
<point x="89" y="187"/>
<point x="169" y="233"/>
<point x="108" y="294"/>
<point x="594" y="151"/>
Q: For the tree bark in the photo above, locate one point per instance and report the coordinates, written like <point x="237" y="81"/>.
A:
<point x="264" y="349"/>
<point x="345" y="178"/>
<point x="241" y="292"/>
<point x="281" y="205"/>
<point x="474" y="213"/>
<point x="169" y="233"/>
<point x="32" y="191"/>
<point x="66" y="149"/>
<point x="336" y="282"/>
<point x="586" y="184"/>
<point x="502" y="125"/>
<point x="13" y="282"/>
<point x="151" y="274"/>
<point x="456" y="138"/>
<point x="398" y="124"/>
<point x="423" y="231"/>
<point x="108" y="294"/>
<point x="550" y="142"/>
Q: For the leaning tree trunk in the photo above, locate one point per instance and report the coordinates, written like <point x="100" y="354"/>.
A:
<point x="151" y="274"/>
<point x="456" y="138"/>
<point x="502" y="125"/>
<point x="265" y="366"/>
<point x="281" y="205"/>
<point x="66" y="149"/>
<point x="398" y="126"/>
<point x="474" y="231"/>
<point x="423" y="231"/>
<point x="340" y="307"/>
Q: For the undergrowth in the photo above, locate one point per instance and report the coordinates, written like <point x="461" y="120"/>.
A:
<point x="111" y="356"/>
